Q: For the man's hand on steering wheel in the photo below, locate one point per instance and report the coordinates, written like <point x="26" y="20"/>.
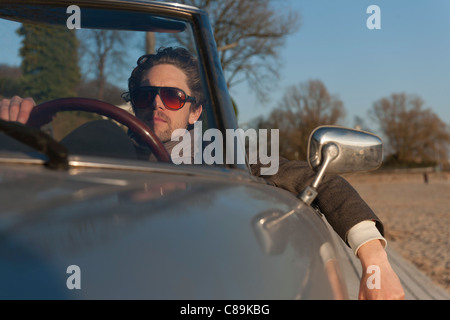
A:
<point x="16" y="109"/>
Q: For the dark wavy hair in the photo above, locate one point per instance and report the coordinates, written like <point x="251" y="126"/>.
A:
<point x="178" y="57"/>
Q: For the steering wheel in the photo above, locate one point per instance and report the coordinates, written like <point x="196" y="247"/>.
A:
<point x="44" y="113"/>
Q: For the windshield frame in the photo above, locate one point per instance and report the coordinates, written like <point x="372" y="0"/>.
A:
<point x="221" y="114"/>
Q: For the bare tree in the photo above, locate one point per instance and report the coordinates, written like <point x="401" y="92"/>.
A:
<point x="302" y="109"/>
<point x="150" y="41"/>
<point x="10" y="81"/>
<point x="250" y="36"/>
<point x="413" y="134"/>
<point x="101" y="49"/>
<point x="11" y="72"/>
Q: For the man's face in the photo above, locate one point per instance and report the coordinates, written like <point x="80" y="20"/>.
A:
<point x="162" y="120"/>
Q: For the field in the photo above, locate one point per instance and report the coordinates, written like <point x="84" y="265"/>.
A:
<point x="415" y="210"/>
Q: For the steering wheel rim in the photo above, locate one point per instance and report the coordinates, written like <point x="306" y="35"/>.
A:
<point x="44" y="113"/>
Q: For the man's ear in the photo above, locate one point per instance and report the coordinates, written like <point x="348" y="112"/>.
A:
<point x="194" y="115"/>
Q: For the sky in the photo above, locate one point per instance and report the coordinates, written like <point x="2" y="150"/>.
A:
<point x="410" y="54"/>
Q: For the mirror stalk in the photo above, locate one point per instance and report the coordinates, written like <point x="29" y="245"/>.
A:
<point x="329" y="153"/>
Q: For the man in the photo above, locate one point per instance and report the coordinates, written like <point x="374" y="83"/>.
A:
<point x="178" y="105"/>
<point x="165" y="92"/>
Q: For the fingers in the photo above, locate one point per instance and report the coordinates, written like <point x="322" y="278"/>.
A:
<point x="4" y="109"/>
<point x="384" y="286"/>
<point x="25" y="109"/>
<point x="16" y="109"/>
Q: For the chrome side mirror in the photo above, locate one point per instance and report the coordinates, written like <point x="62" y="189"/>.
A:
<point x="355" y="150"/>
<point x="340" y="150"/>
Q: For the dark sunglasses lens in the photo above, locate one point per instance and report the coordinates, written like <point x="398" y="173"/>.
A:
<point x="173" y="98"/>
<point x="143" y="98"/>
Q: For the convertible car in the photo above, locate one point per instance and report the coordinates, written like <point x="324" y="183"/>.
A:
<point x="82" y="224"/>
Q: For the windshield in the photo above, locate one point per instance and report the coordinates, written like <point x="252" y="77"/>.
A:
<point x="145" y="64"/>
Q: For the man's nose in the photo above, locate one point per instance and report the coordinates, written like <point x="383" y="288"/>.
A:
<point x="157" y="103"/>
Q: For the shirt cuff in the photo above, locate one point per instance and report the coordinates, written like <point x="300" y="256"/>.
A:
<point x="362" y="233"/>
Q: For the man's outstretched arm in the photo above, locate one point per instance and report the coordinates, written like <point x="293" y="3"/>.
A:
<point x="346" y="211"/>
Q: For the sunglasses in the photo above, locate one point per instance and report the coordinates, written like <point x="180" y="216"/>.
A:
<point x="172" y="98"/>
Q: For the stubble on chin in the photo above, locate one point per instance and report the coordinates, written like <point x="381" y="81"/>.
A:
<point x="162" y="130"/>
<point x="164" y="135"/>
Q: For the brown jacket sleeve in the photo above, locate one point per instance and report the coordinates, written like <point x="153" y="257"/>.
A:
<point x="340" y="203"/>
